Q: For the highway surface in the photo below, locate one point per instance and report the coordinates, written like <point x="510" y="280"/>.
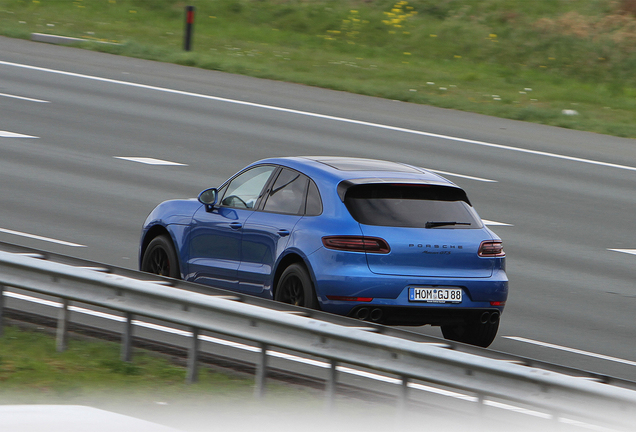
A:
<point x="74" y="125"/>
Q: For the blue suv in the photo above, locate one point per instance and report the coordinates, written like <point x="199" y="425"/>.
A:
<point x="376" y="240"/>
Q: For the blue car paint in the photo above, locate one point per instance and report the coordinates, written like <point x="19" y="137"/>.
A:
<point x="335" y="273"/>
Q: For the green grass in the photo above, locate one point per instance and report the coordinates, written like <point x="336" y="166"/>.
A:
<point x="151" y="387"/>
<point x="32" y="371"/>
<point x="471" y="55"/>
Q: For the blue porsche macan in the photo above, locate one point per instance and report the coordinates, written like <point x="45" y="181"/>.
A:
<point x="380" y="241"/>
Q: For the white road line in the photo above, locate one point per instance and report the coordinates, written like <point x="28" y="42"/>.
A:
<point x="5" y="134"/>
<point x="23" y="98"/>
<point x="493" y="223"/>
<point x="150" y="161"/>
<point x="327" y="117"/>
<point x="626" y="251"/>
<point x="37" y="237"/>
<point x="572" y="350"/>
<point x="461" y="176"/>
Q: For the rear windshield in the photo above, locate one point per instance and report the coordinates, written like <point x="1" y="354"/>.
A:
<point x="413" y="206"/>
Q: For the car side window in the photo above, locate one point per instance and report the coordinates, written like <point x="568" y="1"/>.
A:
<point x="245" y="189"/>
<point x="288" y="193"/>
<point x="314" y="203"/>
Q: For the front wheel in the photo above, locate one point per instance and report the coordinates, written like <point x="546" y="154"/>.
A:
<point x="295" y="287"/>
<point x="160" y="258"/>
<point x="479" y="330"/>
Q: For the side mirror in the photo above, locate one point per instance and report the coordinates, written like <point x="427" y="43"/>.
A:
<point x="208" y="197"/>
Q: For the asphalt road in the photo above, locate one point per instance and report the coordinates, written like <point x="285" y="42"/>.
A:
<point x="567" y="197"/>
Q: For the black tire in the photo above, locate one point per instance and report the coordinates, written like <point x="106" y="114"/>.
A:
<point x="295" y="287"/>
<point x="160" y="258"/>
<point x="472" y="332"/>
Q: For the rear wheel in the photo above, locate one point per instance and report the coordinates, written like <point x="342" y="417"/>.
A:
<point x="479" y="330"/>
<point x="295" y="287"/>
<point x="160" y="258"/>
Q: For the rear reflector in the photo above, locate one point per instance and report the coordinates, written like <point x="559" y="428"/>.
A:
<point x="497" y="303"/>
<point x="345" y="298"/>
<point x="491" y="248"/>
<point x="357" y="244"/>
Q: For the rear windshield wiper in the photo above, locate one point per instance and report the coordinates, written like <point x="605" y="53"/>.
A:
<point x="435" y="224"/>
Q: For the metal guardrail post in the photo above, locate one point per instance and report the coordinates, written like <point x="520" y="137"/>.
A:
<point x="331" y="386"/>
<point x="193" y="357"/>
<point x="126" y="339"/>
<point x="62" y="327"/>
<point x="403" y="397"/>
<point x="481" y="413"/>
<point x="1" y="310"/>
<point x="261" y="372"/>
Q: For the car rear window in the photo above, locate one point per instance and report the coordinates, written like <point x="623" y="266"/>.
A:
<point x="412" y="206"/>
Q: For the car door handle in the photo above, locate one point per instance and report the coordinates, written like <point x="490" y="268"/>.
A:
<point x="283" y="232"/>
<point x="236" y="225"/>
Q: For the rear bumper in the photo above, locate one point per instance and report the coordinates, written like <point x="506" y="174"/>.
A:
<point x="419" y="316"/>
<point x="390" y="294"/>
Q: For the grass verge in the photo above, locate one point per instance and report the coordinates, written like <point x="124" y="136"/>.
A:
<point x="32" y="371"/>
<point x="567" y="64"/>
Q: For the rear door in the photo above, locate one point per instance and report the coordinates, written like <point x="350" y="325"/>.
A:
<point x="267" y="232"/>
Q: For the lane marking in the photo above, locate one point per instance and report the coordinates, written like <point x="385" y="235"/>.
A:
<point x="461" y="176"/>
<point x="23" y="98"/>
<point x="327" y="117"/>
<point x="316" y="363"/>
<point x="572" y="350"/>
<point x="6" y="134"/>
<point x="150" y="161"/>
<point x="626" y="251"/>
<point x="493" y="223"/>
<point x="37" y="237"/>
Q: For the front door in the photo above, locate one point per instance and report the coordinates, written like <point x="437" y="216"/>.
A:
<point x="216" y="233"/>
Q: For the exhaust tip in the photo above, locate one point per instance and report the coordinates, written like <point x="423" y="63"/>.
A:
<point x="494" y="318"/>
<point x="362" y="313"/>
<point x="484" y="318"/>
<point x="376" y="315"/>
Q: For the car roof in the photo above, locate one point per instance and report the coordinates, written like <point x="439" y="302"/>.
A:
<point x="337" y="169"/>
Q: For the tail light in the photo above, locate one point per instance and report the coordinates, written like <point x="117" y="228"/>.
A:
<point x="357" y="244"/>
<point x="491" y="248"/>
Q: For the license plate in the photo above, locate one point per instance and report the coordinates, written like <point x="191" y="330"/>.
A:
<point x="435" y="295"/>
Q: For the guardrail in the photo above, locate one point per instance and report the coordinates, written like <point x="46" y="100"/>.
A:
<point x="224" y="313"/>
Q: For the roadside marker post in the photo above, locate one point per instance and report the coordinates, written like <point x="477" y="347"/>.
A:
<point x="187" y="44"/>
